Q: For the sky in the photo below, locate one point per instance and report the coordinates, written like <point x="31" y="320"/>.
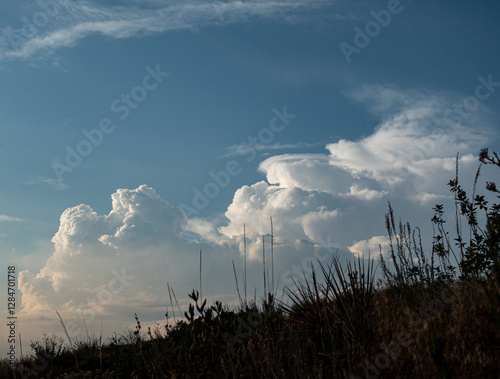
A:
<point x="134" y="134"/>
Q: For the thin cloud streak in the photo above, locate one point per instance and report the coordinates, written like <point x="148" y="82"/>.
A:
<point x="79" y="21"/>
<point x="237" y="150"/>
<point x="5" y="218"/>
<point x="53" y="183"/>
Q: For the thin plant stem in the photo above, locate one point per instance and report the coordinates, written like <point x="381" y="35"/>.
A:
<point x="264" y="263"/>
<point x="69" y="339"/>
<point x="237" y="286"/>
<point x="245" y="259"/>
<point x="272" y="254"/>
<point x="201" y="293"/>
<point x="171" y="302"/>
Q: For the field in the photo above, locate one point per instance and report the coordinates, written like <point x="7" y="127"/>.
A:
<point x="429" y="315"/>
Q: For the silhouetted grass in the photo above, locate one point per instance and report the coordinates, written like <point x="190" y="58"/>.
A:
<point x="331" y="330"/>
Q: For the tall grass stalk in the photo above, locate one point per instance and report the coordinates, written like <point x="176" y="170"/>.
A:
<point x="85" y="325"/>
<point x="201" y="292"/>
<point x="69" y="339"/>
<point x="237" y="286"/>
<point x="264" y="264"/>
<point x="245" y="260"/>
<point x="100" y="347"/>
<point x="272" y="254"/>
<point x="171" y="303"/>
<point x="176" y="302"/>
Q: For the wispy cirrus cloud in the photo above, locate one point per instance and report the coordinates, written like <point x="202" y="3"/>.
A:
<point x="5" y="218"/>
<point x="71" y="22"/>
<point x="237" y="150"/>
<point x="53" y="183"/>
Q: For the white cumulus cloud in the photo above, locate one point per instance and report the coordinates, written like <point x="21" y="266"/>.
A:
<point x="343" y="194"/>
<point x="371" y="247"/>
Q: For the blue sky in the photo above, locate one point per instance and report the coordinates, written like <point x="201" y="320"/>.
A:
<point x="383" y="123"/>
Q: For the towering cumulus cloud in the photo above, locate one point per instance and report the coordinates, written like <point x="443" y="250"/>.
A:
<point x="343" y="194"/>
<point x="89" y="247"/>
